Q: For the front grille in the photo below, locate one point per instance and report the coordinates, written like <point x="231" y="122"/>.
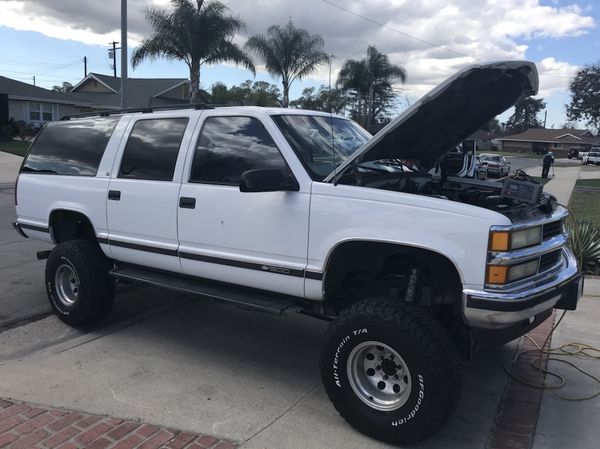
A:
<point x="552" y="229"/>
<point x="549" y="260"/>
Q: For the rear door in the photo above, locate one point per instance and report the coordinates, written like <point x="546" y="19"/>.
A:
<point x="144" y="188"/>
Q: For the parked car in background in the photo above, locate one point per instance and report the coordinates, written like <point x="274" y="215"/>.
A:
<point x="573" y="153"/>
<point x="496" y="165"/>
<point x="593" y="157"/>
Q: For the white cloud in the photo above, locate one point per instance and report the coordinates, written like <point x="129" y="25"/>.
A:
<point x="482" y="30"/>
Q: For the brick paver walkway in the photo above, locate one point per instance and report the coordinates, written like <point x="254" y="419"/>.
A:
<point x="517" y="417"/>
<point x="27" y="426"/>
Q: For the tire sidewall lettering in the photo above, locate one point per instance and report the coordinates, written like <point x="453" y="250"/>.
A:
<point x="352" y="338"/>
<point x="337" y="380"/>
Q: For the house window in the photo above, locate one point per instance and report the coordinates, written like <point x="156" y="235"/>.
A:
<point x="34" y="112"/>
<point x="557" y="146"/>
<point x="41" y="112"/>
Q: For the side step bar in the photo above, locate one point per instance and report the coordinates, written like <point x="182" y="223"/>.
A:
<point x="264" y="302"/>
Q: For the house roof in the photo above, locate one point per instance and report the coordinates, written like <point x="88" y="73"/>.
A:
<point x="480" y="134"/>
<point x="141" y="92"/>
<point x="561" y="135"/>
<point x="18" y="90"/>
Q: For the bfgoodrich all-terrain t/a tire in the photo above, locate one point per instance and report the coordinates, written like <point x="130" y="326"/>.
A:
<point x="390" y="370"/>
<point x="77" y="282"/>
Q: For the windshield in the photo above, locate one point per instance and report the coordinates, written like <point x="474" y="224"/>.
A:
<point x="322" y="143"/>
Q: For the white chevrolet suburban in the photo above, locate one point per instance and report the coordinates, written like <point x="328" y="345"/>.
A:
<point x="416" y="263"/>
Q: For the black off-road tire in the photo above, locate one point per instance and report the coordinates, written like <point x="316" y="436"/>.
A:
<point x="95" y="289"/>
<point x="430" y="357"/>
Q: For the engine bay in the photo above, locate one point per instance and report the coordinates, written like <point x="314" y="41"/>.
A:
<point x="487" y="194"/>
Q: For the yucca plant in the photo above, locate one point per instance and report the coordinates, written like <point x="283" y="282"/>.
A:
<point x="585" y="244"/>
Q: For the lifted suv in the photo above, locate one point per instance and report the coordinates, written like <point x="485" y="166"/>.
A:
<point x="414" y="262"/>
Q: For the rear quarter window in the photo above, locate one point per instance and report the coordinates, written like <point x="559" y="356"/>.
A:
<point x="72" y="148"/>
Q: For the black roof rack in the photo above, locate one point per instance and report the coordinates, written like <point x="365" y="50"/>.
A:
<point x="145" y="110"/>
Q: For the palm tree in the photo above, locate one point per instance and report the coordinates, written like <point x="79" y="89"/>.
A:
<point x="289" y="53"/>
<point x="371" y="80"/>
<point x="198" y="34"/>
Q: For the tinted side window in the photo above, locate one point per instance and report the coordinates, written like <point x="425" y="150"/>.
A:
<point x="228" y="146"/>
<point x="70" y="148"/>
<point x="152" y="148"/>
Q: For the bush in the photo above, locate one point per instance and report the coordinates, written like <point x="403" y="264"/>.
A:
<point x="585" y="244"/>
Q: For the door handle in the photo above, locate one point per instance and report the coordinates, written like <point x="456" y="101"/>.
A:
<point x="114" y="195"/>
<point x="187" y="203"/>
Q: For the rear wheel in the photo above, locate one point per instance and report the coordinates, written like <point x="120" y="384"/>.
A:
<point x="390" y="370"/>
<point x="77" y="282"/>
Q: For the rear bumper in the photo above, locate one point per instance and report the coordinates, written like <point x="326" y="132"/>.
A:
<point x="496" y="310"/>
<point x="20" y="231"/>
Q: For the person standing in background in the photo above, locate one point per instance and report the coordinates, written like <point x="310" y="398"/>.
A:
<point x="547" y="162"/>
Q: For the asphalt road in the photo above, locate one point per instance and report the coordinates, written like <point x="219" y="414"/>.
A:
<point x="22" y="294"/>
<point x="517" y="163"/>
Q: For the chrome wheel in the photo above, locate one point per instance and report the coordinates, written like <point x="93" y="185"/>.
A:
<point x="379" y="376"/>
<point x="67" y="284"/>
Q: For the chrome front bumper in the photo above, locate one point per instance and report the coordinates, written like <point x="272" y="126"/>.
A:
<point x="498" y="309"/>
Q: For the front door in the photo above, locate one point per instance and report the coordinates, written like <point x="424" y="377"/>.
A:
<point x="253" y="239"/>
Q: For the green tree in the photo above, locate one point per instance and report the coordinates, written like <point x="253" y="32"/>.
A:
<point x="196" y="33"/>
<point x="493" y="126"/>
<point x="323" y="99"/>
<point x="64" y="88"/>
<point x="585" y="96"/>
<point x="525" y="115"/>
<point x="370" y="81"/>
<point x="258" y="93"/>
<point x="289" y="53"/>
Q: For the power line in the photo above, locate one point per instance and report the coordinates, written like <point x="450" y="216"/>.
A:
<point x="382" y="25"/>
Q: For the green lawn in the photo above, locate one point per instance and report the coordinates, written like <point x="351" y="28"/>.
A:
<point x="17" y="147"/>
<point x="588" y="183"/>
<point x="585" y="204"/>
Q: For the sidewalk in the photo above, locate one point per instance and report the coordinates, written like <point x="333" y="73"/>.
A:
<point x="562" y="184"/>
<point x="9" y="167"/>
<point x="573" y="424"/>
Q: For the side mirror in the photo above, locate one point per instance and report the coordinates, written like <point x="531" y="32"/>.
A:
<point x="268" y="180"/>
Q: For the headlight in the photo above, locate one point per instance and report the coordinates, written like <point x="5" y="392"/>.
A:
<point x="510" y="240"/>
<point x="522" y="270"/>
<point x="502" y="274"/>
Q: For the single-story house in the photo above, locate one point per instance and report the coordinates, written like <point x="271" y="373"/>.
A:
<point x="103" y="91"/>
<point x="481" y="139"/>
<point x="540" y="140"/>
<point x="36" y="105"/>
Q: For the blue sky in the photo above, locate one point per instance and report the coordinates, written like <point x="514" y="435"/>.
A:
<point x="50" y="39"/>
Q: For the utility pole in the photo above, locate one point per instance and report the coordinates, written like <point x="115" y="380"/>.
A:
<point x="34" y="80"/>
<point x="545" y="117"/>
<point x="123" y="54"/>
<point x="113" y="54"/>
<point x="85" y="66"/>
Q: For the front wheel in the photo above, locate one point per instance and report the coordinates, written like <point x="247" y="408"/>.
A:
<point x="77" y="282"/>
<point x="390" y="370"/>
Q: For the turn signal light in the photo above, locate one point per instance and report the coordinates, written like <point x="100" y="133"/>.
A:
<point x="497" y="274"/>
<point x="499" y="241"/>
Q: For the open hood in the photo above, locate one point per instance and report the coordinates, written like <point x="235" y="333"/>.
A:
<point x="448" y="114"/>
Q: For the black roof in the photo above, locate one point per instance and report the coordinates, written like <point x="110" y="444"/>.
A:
<point x="19" y="90"/>
<point x="141" y="92"/>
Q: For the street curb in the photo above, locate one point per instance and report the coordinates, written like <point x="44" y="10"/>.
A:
<point x="518" y="412"/>
<point x="28" y="426"/>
